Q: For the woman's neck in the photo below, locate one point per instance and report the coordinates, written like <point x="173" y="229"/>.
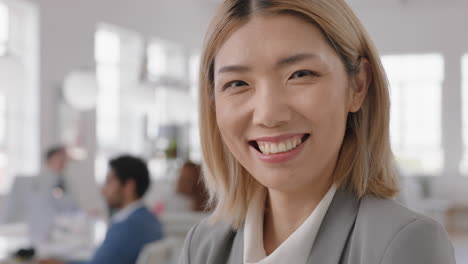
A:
<point x="286" y="212"/>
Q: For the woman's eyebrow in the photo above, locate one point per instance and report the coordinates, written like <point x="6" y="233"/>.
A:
<point x="234" y="68"/>
<point x="281" y="63"/>
<point x="295" y="59"/>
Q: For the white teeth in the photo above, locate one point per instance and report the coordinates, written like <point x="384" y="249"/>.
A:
<point x="262" y="148"/>
<point x="285" y="146"/>
<point x="274" y="148"/>
<point x="282" y="147"/>
<point x="290" y="145"/>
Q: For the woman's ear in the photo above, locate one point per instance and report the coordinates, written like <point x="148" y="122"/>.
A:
<point x="360" y="85"/>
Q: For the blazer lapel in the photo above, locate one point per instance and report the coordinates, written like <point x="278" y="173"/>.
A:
<point x="237" y="252"/>
<point x="335" y="229"/>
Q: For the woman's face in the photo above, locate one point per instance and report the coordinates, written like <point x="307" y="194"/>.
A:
<point x="282" y="97"/>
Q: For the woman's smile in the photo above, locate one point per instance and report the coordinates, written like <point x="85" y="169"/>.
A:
<point x="279" y="148"/>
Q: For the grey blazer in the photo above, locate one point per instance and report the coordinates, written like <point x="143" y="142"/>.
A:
<point x="366" y="231"/>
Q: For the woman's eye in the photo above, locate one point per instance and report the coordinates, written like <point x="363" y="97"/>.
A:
<point x="234" y="84"/>
<point x="302" y="73"/>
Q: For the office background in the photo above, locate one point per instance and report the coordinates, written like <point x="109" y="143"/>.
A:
<point x="112" y="76"/>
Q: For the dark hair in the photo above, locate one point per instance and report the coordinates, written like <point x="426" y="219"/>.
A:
<point x="190" y="184"/>
<point x="53" y="151"/>
<point x="128" y="167"/>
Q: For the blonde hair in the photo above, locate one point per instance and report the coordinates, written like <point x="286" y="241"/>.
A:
<point x="365" y="163"/>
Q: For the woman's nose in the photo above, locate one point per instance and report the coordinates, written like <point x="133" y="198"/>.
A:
<point x="271" y="106"/>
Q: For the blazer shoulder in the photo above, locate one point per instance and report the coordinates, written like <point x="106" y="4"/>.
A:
<point x="373" y="208"/>
<point x="384" y="226"/>
<point x="207" y="242"/>
<point x="386" y="217"/>
<point x="423" y="241"/>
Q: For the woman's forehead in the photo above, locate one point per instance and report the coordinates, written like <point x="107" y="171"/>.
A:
<point x="271" y="38"/>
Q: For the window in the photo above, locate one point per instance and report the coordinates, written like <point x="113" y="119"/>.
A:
<point x="166" y="69"/>
<point x="107" y="72"/>
<point x="4" y="28"/>
<point x="169" y="122"/>
<point x="3" y="114"/>
<point x="3" y="47"/>
<point x="3" y="152"/>
<point x="165" y="60"/>
<point x="464" y="66"/>
<point x="107" y="56"/>
<point x="4" y="24"/>
<point x="119" y="120"/>
<point x="195" y="147"/>
<point x="415" y="123"/>
<point x="19" y="127"/>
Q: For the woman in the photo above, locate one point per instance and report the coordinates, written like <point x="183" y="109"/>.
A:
<point x="294" y="130"/>
<point x="191" y="186"/>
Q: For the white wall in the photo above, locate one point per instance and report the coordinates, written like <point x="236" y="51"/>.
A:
<point x="67" y="30"/>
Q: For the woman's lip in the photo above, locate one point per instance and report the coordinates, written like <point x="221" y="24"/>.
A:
<point x="277" y="139"/>
<point x="280" y="157"/>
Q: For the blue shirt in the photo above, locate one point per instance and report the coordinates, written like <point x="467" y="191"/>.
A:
<point x="125" y="239"/>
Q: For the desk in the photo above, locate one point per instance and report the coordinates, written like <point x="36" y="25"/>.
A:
<point x="16" y="236"/>
<point x="12" y="237"/>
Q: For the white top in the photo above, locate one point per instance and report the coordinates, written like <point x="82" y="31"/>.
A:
<point x="124" y="213"/>
<point x="296" y="249"/>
